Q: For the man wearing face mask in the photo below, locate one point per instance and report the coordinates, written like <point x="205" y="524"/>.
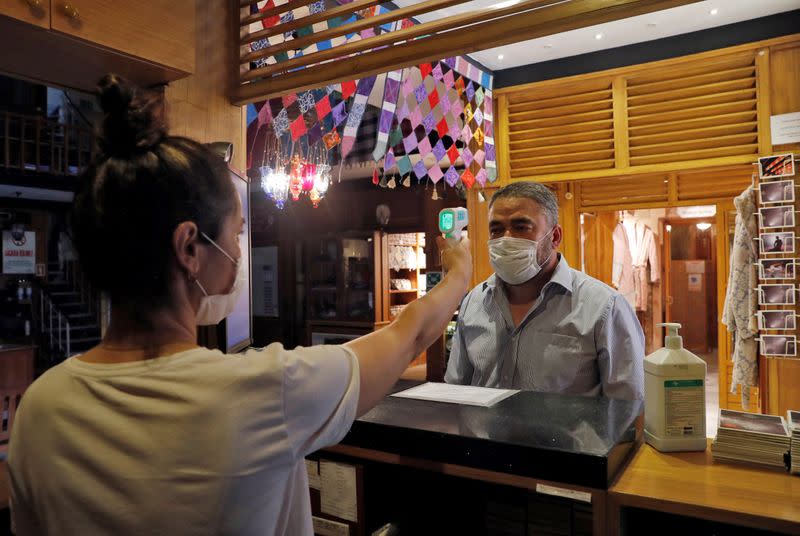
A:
<point x="536" y="323"/>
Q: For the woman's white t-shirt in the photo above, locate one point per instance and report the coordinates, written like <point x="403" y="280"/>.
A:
<point x="196" y="443"/>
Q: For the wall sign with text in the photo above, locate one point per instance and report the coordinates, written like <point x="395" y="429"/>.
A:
<point x="19" y="252"/>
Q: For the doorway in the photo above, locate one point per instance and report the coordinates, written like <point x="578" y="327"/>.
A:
<point x="672" y="252"/>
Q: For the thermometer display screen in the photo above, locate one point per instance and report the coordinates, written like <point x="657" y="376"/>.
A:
<point x="446" y="221"/>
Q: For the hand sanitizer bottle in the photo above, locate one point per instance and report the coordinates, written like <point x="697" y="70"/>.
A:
<point x="674" y="396"/>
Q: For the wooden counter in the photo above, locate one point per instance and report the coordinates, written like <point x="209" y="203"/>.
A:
<point x="692" y="485"/>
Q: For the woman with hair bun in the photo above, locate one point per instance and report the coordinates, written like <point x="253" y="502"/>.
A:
<point x="149" y="433"/>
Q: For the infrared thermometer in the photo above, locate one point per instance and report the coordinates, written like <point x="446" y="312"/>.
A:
<point x="452" y="221"/>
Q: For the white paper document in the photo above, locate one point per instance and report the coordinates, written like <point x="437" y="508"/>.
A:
<point x="338" y="494"/>
<point x="457" y="394"/>
<point x="312" y="468"/>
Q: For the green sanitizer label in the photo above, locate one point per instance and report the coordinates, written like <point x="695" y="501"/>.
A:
<point x="684" y="407"/>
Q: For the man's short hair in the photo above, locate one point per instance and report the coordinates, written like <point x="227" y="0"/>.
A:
<point x="536" y="191"/>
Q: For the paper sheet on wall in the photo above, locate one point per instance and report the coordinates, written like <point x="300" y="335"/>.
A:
<point x="338" y="495"/>
<point x="457" y="394"/>
<point x="312" y="468"/>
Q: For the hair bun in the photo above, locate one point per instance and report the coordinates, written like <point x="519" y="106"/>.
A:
<point x="133" y="121"/>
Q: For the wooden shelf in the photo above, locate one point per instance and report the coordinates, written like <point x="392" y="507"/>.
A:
<point x="393" y="291"/>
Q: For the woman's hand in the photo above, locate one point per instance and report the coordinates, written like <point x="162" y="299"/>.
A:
<point x="456" y="257"/>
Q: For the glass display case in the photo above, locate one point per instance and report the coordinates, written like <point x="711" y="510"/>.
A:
<point x="343" y="278"/>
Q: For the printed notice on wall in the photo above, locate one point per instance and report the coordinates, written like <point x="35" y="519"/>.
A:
<point x="695" y="283"/>
<point x="695" y="267"/>
<point x="785" y="128"/>
<point x="312" y="468"/>
<point x="19" y="252"/>
<point x="338" y="495"/>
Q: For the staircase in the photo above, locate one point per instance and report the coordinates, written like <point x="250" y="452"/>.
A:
<point x="68" y="315"/>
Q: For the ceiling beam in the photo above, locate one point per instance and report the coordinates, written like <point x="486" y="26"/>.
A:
<point x="354" y="27"/>
<point x="521" y="27"/>
<point x="390" y="38"/>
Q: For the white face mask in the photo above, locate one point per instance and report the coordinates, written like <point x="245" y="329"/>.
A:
<point x="515" y="260"/>
<point x="216" y="307"/>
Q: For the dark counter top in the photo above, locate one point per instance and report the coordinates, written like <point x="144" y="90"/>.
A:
<point x="8" y="347"/>
<point x="562" y="438"/>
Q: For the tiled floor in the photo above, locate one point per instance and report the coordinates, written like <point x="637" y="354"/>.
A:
<point x="712" y="391"/>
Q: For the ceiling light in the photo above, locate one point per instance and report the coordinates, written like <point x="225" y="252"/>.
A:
<point x="669" y="228"/>
<point x="598" y="36"/>
<point x="704" y="226"/>
<point x="507" y="3"/>
<point x="499" y="56"/>
<point x="714" y="11"/>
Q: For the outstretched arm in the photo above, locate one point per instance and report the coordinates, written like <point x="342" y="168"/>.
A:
<point x="384" y="355"/>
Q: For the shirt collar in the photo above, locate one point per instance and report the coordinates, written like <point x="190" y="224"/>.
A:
<point x="562" y="276"/>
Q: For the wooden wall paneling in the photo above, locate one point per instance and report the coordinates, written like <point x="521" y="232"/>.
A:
<point x="784" y="85"/>
<point x="198" y="106"/>
<point x="722" y="183"/>
<point x="597" y="246"/>
<point x="621" y="149"/>
<point x="763" y="100"/>
<point x="569" y="220"/>
<point x="479" y="233"/>
<point x="157" y="30"/>
<point x="611" y="194"/>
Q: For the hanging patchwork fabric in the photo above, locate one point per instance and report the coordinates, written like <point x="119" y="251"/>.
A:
<point x="357" y="110"/>
<point x="391" y="92"/>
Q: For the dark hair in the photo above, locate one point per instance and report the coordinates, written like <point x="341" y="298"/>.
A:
<point x="538" y="192"/>
<point x="139" y="186"/>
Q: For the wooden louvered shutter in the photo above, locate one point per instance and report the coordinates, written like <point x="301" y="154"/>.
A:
<point x="561" y="129"/>
<point x="703" y="110"/>
<point x="617" y="192"/>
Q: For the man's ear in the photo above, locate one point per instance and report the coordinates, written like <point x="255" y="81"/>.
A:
<point x="185" y="242"/>
<point x="558" y="236"/>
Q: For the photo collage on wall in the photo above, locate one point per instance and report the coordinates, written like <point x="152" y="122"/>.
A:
<point x="778" y="256"/>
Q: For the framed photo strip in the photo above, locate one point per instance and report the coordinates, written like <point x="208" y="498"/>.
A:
<point x="779" y="165"/>
<point x="781" y="320"/>
<point x="770" y="294"/>
<point x="780" y="242"/>
<point x="769" y="269"/>
<point x="776" y="192"/>
<point x="778" y="345"/>
<point x="777" y="217"/>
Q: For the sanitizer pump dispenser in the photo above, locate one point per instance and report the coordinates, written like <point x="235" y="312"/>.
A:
<point x="674" y="396"/>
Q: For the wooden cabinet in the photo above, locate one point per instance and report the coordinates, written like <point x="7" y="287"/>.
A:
<point x="35" y="12"/>
<point x="73" y="43"/>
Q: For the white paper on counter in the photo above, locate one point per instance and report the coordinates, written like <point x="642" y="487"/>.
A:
<point x="338" y="495"/>
<point x="312" y="468"/>
<point x="457" y="394"/>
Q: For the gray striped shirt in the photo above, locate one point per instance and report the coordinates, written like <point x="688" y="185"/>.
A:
<point x="579" y="337"/>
